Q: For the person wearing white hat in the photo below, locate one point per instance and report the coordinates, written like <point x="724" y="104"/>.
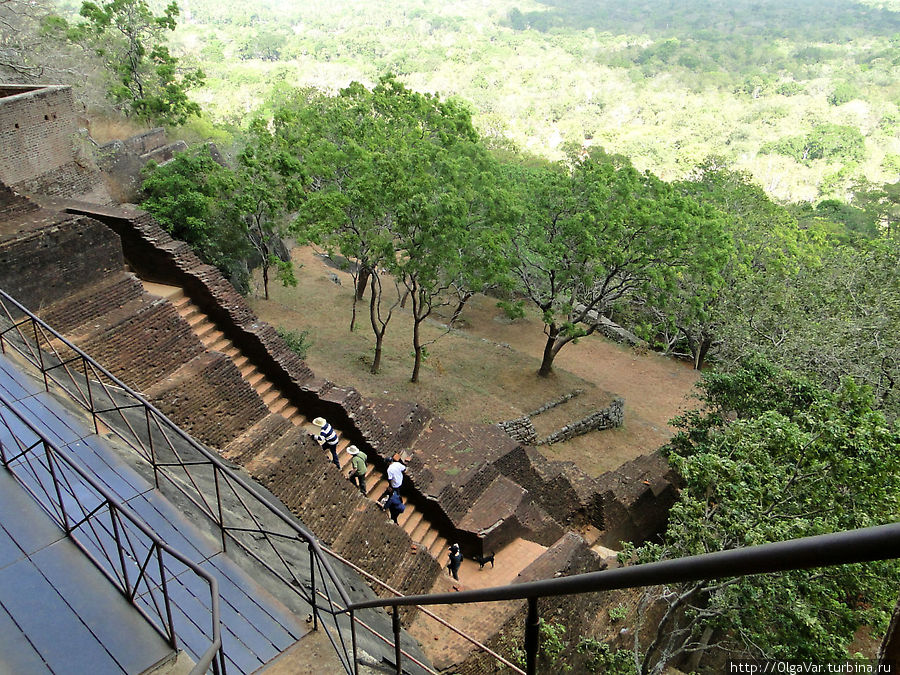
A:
<point x="327" y="438"/>
<point x="357" y="467"/>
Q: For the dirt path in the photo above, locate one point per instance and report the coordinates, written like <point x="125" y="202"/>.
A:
<point x="486" y="372"/>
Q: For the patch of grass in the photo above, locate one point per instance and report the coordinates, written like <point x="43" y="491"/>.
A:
<point x="298" y="341"/>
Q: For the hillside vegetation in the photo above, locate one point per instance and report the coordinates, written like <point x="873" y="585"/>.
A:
<point x="666" y="83"/>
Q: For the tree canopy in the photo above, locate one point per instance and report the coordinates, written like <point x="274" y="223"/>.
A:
<point x="795" y="461"/>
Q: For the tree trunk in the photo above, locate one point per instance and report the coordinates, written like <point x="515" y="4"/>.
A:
<point x="459" y="308"/>
<point x="700" y="353"/>
<point x="549" y="353"/>
<point x="418" y="350"/>
<point x="362" y="280"/>
<point x="403" y="299"/>
<point x="374" y="299"/>
<point x="265" y="273"/>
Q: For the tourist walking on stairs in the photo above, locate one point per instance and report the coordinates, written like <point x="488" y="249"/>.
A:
<point x="395" y="472"/>
<point x="357" y="467"/>
<point x="327" y="438"/>
<point x="395" y="505"/>
<point x="455" y="561"/>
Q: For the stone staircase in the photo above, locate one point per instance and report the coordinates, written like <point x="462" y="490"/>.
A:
<point x="420" y="529"/>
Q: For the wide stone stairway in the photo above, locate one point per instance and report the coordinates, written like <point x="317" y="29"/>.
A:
<point x="420" y="529"/>
<point x="256" y="627"/>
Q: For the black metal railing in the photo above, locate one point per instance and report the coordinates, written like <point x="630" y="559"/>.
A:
<point x="239" y="513"/>
<point x="134" y="559"/>
<point x="855" y="546"/>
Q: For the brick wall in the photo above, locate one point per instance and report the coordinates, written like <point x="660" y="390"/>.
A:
<point x="39" y="145"/>
<point x="58" y="257"/>
<point x="36" y="132"/>
<point x="209" y="399"/>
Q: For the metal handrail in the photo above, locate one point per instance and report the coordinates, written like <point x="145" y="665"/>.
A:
<point x="213" y="655"/>
<point x="881" y="542"/>
<point x="44" y="335"/>
<point x="869" y="544"/>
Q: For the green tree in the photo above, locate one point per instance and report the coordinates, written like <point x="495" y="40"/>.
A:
<point x="596" y="233"/>
<point x="146" y="79"/>
<point x="186" y="196"/>
<point x="795" y="461"/>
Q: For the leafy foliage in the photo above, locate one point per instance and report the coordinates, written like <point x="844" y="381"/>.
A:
<point x="795" y="461"/>
<point x="145" y="78"/>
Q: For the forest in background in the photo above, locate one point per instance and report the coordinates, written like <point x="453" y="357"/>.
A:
<point x="666" y="83"/>
<point x="798" y="305"/>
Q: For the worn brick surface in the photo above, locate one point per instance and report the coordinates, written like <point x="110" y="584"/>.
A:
<point x="38" y="150"/>
<point x="209" y="399"/>
<point x="256" y="439"/>
<point x="91" y="303"/>
<point x="140" y="342"/>
<point x="46" y="256"/>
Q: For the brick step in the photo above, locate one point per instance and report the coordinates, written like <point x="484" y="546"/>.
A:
<point x="430" y="537"/>
<point x="220" y="345"/>
<point x="265" y="387"/>
<point x="376" y="488"/>
<point x="232" y="353"/>
<point x="208" y="336"/>
<point x="438" y="547"/>
<point x="193" y="316"/>
<point x="410" y="518"/>
<point x="179" y="301"/>
<point x="204" y="328"/>
<point x="270" y="396"/>
<point x="279" y="405"/>
<point x="253" y="377"/>
<point x="240" y="361"/>
<point x="420" y="530"/>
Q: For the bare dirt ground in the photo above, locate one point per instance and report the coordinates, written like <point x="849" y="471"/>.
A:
<point x="486" y="371"/>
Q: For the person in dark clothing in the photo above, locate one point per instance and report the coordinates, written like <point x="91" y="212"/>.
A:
<point x="455" y="561"/>
<point x="395" y="505"/>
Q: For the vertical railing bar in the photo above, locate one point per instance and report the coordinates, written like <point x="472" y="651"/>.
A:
<point x="37" y="346"/>
<point x="152" y="449"/>
<point x="87" y="383"/>
<point x="115" y="526"/>
<point x="312" y="575"/>
<point x="215" y="469"/>
<point x="353" y="642"/>
<point x="395" y="625"/>
<point x="53" y="477"/>
<point x="165" y="590"/>
<point x="532" y="636"/>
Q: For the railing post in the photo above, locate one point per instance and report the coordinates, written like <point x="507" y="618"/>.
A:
<point x="219" y="506"/>
<point x="37" y="346"/>
<point x="532" y="635"/>
<point x="62" y="506"/>
<point x="87" y="384"/>
<point x="115" y="526"/>
<point x="395" y="624"/>
<point x="353" y="642"/>
<point x="312" y="581"/>
<point x="152" y="448"/>
<point x="173" y="642"/>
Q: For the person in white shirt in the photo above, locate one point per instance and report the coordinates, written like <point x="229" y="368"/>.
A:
<point x="395" y="472"/>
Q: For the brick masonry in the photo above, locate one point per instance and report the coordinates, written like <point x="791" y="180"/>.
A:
<point x="39" y="144"/>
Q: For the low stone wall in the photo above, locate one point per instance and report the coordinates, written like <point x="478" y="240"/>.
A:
<point x="609" y="418"/>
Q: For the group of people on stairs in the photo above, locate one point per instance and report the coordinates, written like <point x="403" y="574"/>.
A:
<point x="391" y="500"/>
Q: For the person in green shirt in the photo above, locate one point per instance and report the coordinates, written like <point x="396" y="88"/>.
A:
<point x="357" y="467"/>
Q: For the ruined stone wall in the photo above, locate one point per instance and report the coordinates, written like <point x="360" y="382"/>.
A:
<point x="39" y="145"/>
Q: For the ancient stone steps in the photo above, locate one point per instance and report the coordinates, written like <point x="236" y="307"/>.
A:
<point x="411" y="520"/>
